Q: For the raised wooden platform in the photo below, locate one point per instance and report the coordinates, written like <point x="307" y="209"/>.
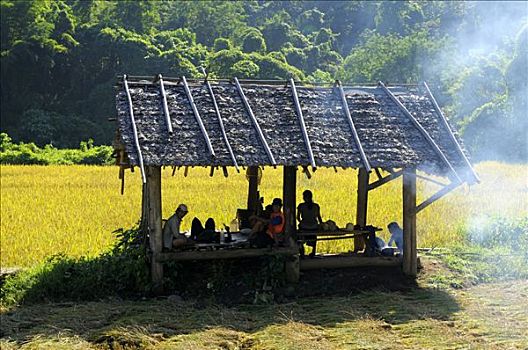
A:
<point x="340" y="261"/>
<point x="224" y="254"/>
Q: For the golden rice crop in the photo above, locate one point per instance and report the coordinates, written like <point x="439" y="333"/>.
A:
<point x="74" y="209"/>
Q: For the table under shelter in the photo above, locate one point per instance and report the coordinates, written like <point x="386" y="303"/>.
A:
<point x="384" y="131"/>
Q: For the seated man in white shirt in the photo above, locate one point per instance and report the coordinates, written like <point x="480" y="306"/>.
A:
<point x="396" y="236"/>
<point x="171" y="231"/>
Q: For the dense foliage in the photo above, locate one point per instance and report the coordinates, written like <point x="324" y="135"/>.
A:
<point x="60" y="58"/>
<point x="30" y="153"/>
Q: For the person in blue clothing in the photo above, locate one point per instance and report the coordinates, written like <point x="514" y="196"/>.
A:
<point x="396" y="236"/>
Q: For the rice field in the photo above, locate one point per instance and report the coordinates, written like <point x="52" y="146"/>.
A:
<point x="73" y="210"/>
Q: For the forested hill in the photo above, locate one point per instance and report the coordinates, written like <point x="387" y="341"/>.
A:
<point x="59" y="59"/>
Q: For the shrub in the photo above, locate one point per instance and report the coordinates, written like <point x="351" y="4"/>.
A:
<point x="29" y="153"/>
<point x="120" y="272"/>
<point x="492" y="232"/>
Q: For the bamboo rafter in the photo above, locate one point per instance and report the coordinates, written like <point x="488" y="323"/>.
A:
<point x="134" y="129"/>
<point x="255" y="122"/>
<point x="420" y="128"/>
<point x="444" y="122"/>
<point x="301" y="122"/>
<point x="198" y="118"/>
<point x="348" y="116"/>
<point x="221" y="122"/>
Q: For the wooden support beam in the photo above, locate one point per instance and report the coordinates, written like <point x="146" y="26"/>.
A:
<point x="252" y="175"/>
<point x="335" y="262"/>
<point x="306" y="172"/>
<point x="134" y="129"/>
<point x="362" y="206"/>
<point x="409" y="222"/>
<point x="220" y="121"/>
<point x="431" y="180"/>
<point x="350" y="121"/>
<point x="198" y="118"/>
<point x="442" y="192"/>
<point x="378" y="173"/>
<point x="223" y="254"/>
<point x="384" y="180"/>
<point x="289" y="196"/>
<point x="444" y="122"/>
<point x="301" y="122"/>
<point x="143" y="226"/>
<point x="153" y="187"/>
<point x="422" y="131"/>
<point x="255" y="122"/>
<point x="164" y="104"/>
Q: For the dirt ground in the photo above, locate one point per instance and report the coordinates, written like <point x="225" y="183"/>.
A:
<point x="333" y="309"/>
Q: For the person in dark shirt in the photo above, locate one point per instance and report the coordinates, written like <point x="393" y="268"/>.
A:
<point x="309" y="217"/>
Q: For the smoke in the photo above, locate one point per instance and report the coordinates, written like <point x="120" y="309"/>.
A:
<point x="485" y="71"/>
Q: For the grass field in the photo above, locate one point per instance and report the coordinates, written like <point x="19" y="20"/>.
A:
<point x="487" y="316"/>
<point x="73" y="209"/>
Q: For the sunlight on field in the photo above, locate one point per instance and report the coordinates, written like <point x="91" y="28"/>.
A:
<point x="74" y="209"/>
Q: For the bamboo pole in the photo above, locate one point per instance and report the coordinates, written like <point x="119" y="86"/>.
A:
<point x="255" y="122"/>
<point x="350" y="121"/>
<point x="420" y="128"/>
<point x="198" y="118"/>
<point x="444" y="122"/>
<point x="220" y="121"/>
<point x="134" y="129"/>
<point x="301" y="123"/>
<point x="164" y="104"/>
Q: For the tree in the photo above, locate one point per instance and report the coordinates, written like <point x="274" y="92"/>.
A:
<point x="253" y="41"/>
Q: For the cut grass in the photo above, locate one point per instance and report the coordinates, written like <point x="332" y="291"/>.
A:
<point x="488" y="316"/>
<point x="74" y="209"/>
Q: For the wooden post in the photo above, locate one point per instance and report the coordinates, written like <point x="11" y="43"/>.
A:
<point x="409" y="222"/>
<point x="253" y="199"/>
<point x="362" y="206"/>
<point x="289" y="194"/>
<point x="143" y="226"/>
<point x="154" y="225"/>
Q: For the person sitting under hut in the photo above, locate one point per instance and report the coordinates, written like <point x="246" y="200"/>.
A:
<point x="267" y="232"/>
<point x="396" y="236"/>
<point x="171" y="231"/>
<point x="309" y="217"/>
<point x="200" y="234"/>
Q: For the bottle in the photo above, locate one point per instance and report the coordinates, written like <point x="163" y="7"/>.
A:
<point x="229" y="238"/>
<point x="233" y="226"/>
<point x="222" y="236"/>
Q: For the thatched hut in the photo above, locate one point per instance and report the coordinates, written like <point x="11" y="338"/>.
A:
<point x="219" y="124"/>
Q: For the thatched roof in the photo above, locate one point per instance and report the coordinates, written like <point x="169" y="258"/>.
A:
<point x="388" y="137"/>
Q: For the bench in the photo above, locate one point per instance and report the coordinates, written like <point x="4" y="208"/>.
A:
<point x="332" y="235"/>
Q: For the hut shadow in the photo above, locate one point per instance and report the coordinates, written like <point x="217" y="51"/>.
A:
<point x="321" y="305"/>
